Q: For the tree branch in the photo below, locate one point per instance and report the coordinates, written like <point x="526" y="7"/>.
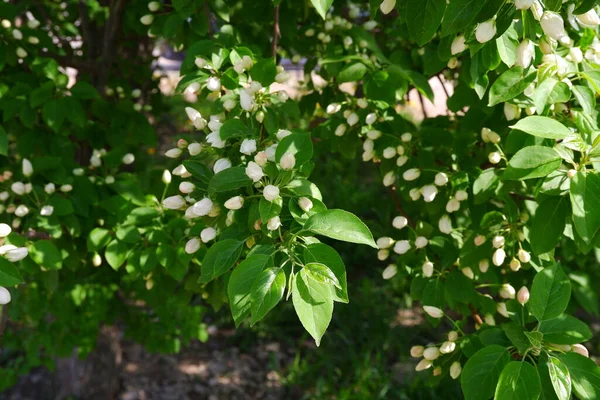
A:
<point x="276" y="31"/>
<point x="3" y="318"/>
<point x="87" y="31"/>
<point x="422" y="104"/>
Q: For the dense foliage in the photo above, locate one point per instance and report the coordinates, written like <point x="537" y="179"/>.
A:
<point x="495" y="226"/>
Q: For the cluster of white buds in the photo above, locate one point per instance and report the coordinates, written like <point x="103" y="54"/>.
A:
<point x="432" y="353"/>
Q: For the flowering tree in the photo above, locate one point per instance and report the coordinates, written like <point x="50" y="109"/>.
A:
<point x="495" y="199"/>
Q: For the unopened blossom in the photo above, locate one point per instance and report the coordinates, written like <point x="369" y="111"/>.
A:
<point x="271" y="192"/>
<point x="455" y="369"/>
<point x="401" y="161"/>
<point x="514" y="265"/>
<point x="553" y="25"/>
<point x="173" y="202"/>
<point x="192" y="246"/>
<point x="173" y="153"/>
<point x="417" y="351"/>
<point x="21" y="210"/>
<point x="208" y="234"/>
<point x="248" y="146"/>
<point x="389" y="179"/>
<point x="389" y="152"/>
<point x="431" y="353"/>
<point x="203" y="207"/>
<point x="4" y="195"/>
<point x="411" y="174"/>
<point x="213" y="84"/>
<point x="221" y="164"/>
<point x="66" y="188"/>
<point x="305" y="204"/>
<point x="4" y="296"/>
<point x="498" y="257"/>
<point x="524" y="256"/>
<point x="371" y="118"/>
<point x="21" y="52"/>
<point x="383" y="254"/>
<point x="234" y="203"/>
<point x="153" y="6"/>
<point x="261" y="158"/>
<point x="485" y="31"/>
<point x="373" y="134"/>
<point x="414" y="194"/>
<point x="523" y="295"/>
<point x="575" y="55"/>
<point x="458" y="45"/>
<point x="246" y="100"/>
<point x="511" y="111"/>
<point x="427" y="269"/>
<point x="590" y="18"/>
<point x="288" y="161"/>
<point x="254" y="171"/>
<point x="47" y="211"/>
<point x="186" y="187"/>
<point x="441" y="179"/>
<point x="18" y="188"/>
<point x="387" y="6"/>
<point x="229" y="104"/>
<point x="340" y="130"/>
<point x="525" y="53"/>
<point x="270" y="152"/>
<point x="27" y="167"/>
<point x="17" y="254"/>
<point x="421" y="242"/>
<point x="445" y="224"/>
<point x="352" y="119"/>
<point x="282" y="133"/>
<point x="402" y="246"/>
<point x="5" y="230"/>
<point x="399" y="222"/>
<point x="406" y="137"/>
<point x="147" y="19"/>
<point x="447" y="347"/>
<point x="507" y="291"/>
<point x="429" y="192"/>
<point x="461" y="195"/>
<point x="494" y="157"/>
<point x="385" y="242"/>
<point x="333" y="108"/>
<point x="501" y="309"/>
<point x="215" y="141"/>
<point x="274" y="223"/>
<point x="498" y="241"/>
<point x="484" y="265"/>
<point x="433" y="312"/>
<point x="452" y="336"/>
<point x="489" y="319"/>
<point x="580" y="349"/>
<point x="468" y="272"/>
<point x="423" y="365"/>
<point x="28" y="187"/>
<point x="452" y="205"/>
<point x="479" y="240"/>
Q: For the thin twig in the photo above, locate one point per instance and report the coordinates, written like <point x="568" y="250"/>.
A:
<point x="443" y="86"/>
<point x="3" y="318"/>
<point x="276" y="31"/>
<point x="422" y="104"/>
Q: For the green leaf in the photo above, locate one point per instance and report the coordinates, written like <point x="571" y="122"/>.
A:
<point x="45" y="254"/>
<point x="84" y="90"/>
<point x="128" y="234"/>
<point x="266" y="292"/>
<point x="340" y="225"/>
<point x="264" y="71"/>
<point x="517" y="337"/>
<point x="322" y="274"/>
<point x="298" y="144"/>
<point x="548" y="224"/>
<point x="507" y="46"/>
<point x="9" y="275"/>
<point x="565" y="329"/>
<point x="509" y="85"/>
<point x="229" y="179"/>
<point x="324" y="254"/>
<point x="269" y="209"/>
<point x="543" y="127"/>
<point x="560" y="378"/>
<point x="198" y="170"/>
<point x="541" y="94"/>
<point x="482" y="371"/>
<point x="585" y="375"/>
<point x="115" y="254"/>
<point x="220" y="258"/>
<point x="240" y="283"/>
<point x="462" y="14"/>
<point x="352" y="73"/>
<point x="313" y="303"/>
<point x="3" y="142"/>
<point x="322" y="6"/>
<point x="550" y="293"/>
<point x="233" y="128"/>
<point x="165" y="255"/>
<point x="532" y="162"/>
<point x="423" y="18"/>
<point x="585" y="197"/>
<point x="586" y="98"/>
<point x="519" y="380"/>
<point x="97" y="239"/>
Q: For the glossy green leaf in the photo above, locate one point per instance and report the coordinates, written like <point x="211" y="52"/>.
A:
<point x="322" y="6"/>
<point x="352" y="73"/>
<point x="565" y="329"/>
<point x="424" y="18"/>
<point x="298" y="144"/>
<point x="220" y="258"/>
<point x="313" y="303"/>
<point x="115" y="253"/>
<point x="585" y="375"/>
<point x="548" y="224"/>
<point x="519" y="380"/>
<point x="9" y="274"/>
<point x="241" y="282"/>
<point x="340" y="225"/>
<point x="321" y="273"/>
<point x="550" y="293"/>
<point x="509" y="85"/>
<point x="324" y="254"/>
<point x="532" y="162"/>
<point x="45" y="254"/>
<point x="267" y="290"/>
<point x="585" y="196"/>
<point x="543" y="127"/>
<point x="229" y="179"/>
<point x="480" y="374"/>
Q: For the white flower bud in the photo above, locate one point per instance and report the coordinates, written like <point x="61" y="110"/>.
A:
<point x="452" y="205"/>
<point x="50" y="188"/>
<point x="399" y="222"/>
<point x="417" y="351"/>
<point x="373" y="134"/>
<point x="172" y="153"/>
<point x="21" y="53"/>
<point x="288" y="161"/>
<point x="18" y="188"/>
<point x="47" y="211"/>
<point x="28" y="187"/>
<point x="441" y="179"/>
<point x="166" y="177"/>
<point x="387" y="6"/>
<point x="452" y="63"/>
<point x="468" y="272"/>
<point x="575" y="55"/>
<point x="27" y="167"/>
<point x="340" y="130"/>
<point x="153" y="6"/>
<point x="352" y="119"/>
<point x="525" y="53"/>
<point x="362" y="103"/>
<point x="186" y="187"/>
<point x="203" y="207"/>
<point x="128" y="159"/>
<point x="371" y="118"/>
<point x="590" y="18"/>
<point x="270" y="152"/>
<point x="192" y="246"/>
<point x="431" y="353"/>
<point x="461" y="195"/>
<point x="501" y="309"/>
<point x="4" y="296"/>
<point x="389" y="179"/>
<point x="16" y="254"/>
<point x="429" y="192"/>
<point x="421" y="242"/>
<point x="415" y="194"/>
<point x="66" y="188"/>
<point x="523" y="4"/>
<point x="514" y="265"/>
<point x="246" y="100"/>
<point x="523" y="295"/>
<point x="511" y="111"/>
<point x="385" y="242"/>
<point x="479" y="240"/>
<point x="147" y="19"/>
<point x="401" y="161"/>
<point x="383" y="254"/>
<point x="282" y="133"/>
<point x="445" y="224"/>
<point x="411" y="174"/>
<point x="580" y="349"/>
<point x="213" y="84"/>
<point x="458" y="45"/>
<point x="333" y="108"/>
<point x="484" y="265"/>
<point x="305" y="204"/>
<point x="5" y="230"/>
<point x="273" y="224"/>
<point x="447" y="347"/>
<point x="485" y="31"/>
<point x="173" y="202"/>
<point x="5" y="195"/>
<point x="389" y="152"/>
<point x="452" y="336"/>
<point x="221" y="164"/>
<point x="553" y="25"/>
<point x="254" y="171"/>
<point x="455" y="369"/>
<point x="433" y="312"/>
<point x="208" y="234"/>
<point x="234" y="203"/>
<point x="21" y="210"/>
<point x="498" y="241"/>
<point x="524" y="256"/>
<point x="33" y="23"/>
<point x="248" y="146"/>
<point x="271" y="192"/>
<point x="507" y="291"/>
<point x="423" y="365"/>
<point x="494" y="157"/>
<point x="489" y="319"/>
<point x="427" y="269"/>
<point x="498" y="257"/>
<point x="406" y="137"/>
<point x="402" y="247"/>
<point x="96" y="260"/>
